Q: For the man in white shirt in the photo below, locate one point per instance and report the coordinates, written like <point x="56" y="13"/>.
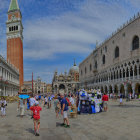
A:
<point x="32" y="101"/>
<point x="72" y="100"/>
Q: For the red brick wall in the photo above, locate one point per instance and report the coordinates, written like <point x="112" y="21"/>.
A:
<point x="15" y="55"/>
<point x="17" y="15"/>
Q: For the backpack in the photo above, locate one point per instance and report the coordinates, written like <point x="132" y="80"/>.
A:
<point x="68" y="102"/>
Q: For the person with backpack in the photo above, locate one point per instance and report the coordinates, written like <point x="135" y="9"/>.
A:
<point x="3" y="105"/>
<point x="64" y="110"/>
<point x="36" y="117"/>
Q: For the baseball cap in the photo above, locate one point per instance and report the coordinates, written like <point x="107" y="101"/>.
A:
<point x="36" y="103"/>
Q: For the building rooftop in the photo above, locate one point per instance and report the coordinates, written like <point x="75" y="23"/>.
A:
<point x="13" y="5"/>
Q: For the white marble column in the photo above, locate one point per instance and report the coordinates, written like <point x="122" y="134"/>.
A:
<point x="137" y="72"/>
<point x="133" y="72"/>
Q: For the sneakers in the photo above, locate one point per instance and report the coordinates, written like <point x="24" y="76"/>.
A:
<point x="37" y="134"/>
<point x="67" y="126"/>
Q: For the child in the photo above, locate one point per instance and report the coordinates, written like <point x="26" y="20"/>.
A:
<point x="36" y="117"/>
<point x="3" y="106"/>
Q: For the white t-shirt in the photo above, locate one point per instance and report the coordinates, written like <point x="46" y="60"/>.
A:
<point x="3" y="102"/>
<point x="32" y="101"/>
<point x="71" y="100"/>
<point x="46" y="99"/>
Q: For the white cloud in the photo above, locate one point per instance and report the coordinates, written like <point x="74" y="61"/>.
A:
<point x="135" y="3"/>
<point x="72" y="32"/>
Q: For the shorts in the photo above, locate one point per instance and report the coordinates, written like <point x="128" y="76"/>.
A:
<point x="105" y="104"/>
<point x="37" y="121"/>
<point x="120" y="100"/>
<point x="57" y="109"/>
<point x="65" y="114"/>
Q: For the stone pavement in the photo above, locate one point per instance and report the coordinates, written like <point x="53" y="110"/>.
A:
<point x="119" y="123"/>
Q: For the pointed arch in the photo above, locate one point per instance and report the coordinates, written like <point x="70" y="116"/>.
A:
<point x="135" y="42"/>
<point x="117" y="53"/>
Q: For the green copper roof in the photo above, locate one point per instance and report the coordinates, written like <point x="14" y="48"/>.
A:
<point x="13" y="5"/>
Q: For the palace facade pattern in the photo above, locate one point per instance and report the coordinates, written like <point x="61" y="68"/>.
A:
<point x="114" y="65"/>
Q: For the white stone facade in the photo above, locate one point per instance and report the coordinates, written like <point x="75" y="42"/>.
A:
<point x="38" y="86"/>
<point x="69" y="82"/>
<point x="9" y="79"/>
<point x="114" y="66"/>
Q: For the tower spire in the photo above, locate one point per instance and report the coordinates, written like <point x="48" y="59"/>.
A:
<point x="74" y="62"/>
<point x="13" y="5"/>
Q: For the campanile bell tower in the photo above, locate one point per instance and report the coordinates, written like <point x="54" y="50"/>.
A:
<point x="15" y="38"/>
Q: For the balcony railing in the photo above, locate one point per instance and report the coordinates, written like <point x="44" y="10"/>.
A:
<point x="125" y="79"/>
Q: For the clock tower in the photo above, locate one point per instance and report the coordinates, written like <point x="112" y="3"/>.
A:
<point x="15" y="38"/>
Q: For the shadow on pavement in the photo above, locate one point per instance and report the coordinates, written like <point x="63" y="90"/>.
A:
<point x="30" y="130"/>
<point x="125" y="106"/>
<point x="58" y="124"/>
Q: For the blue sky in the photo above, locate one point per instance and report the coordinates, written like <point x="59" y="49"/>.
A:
<point x="57" y="31"/>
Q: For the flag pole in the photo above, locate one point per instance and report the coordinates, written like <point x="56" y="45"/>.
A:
<point x="32" y="82"/>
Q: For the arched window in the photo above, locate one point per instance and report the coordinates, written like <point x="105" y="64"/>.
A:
<point x="96" y="65"/>
<point x="16" y="27"/>
<point x="116" y="52"/>
<point x="135" y="43"/>
<point x="12" y="28"/>
<point x="103" y="59"/>
<point x="90" y="67"/>
<point x="85" y="70"/>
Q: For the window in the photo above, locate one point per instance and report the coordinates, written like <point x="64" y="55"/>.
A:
<point x="103" y="59"/>
<point x="90" y="67"/>
<point x="10" y="29"/>
<point x="96" y="65"/>
<point x="85" y="70"/>
<point x="16" y="27"/>
<point x="116" y="52"/>
<point x="123" y="34"/>
<point x="135" y="43"/>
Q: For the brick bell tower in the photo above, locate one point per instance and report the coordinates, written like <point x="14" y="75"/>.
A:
<point x="15" y="38"/>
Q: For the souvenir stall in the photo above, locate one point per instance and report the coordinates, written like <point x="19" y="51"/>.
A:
<point x="90" y="102"/>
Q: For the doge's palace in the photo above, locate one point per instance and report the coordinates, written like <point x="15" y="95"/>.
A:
<point x="114" y="65"/>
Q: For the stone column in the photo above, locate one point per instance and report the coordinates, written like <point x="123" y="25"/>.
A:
<point x="138" y="72"/>
<point x="0" y="71"/>
<point x="118" y="75"/>
<point x="122" y="74"/>
<point x="129" y="73"/>
<point x="133" y="90"/>
<point x="108" y="90"/>
<point x="126" y="90"/>
<point x="119" y="88"/>
<point x="133" y="72"/>
<point x="113" y="89"/>
<point x="125" y="74"/>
